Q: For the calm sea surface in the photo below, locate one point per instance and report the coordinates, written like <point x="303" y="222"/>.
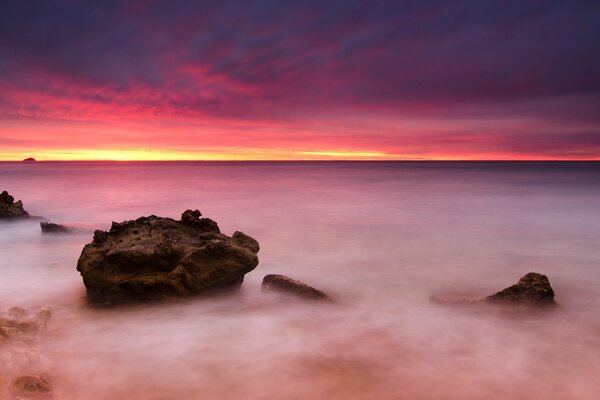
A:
<point x="379" y="237"/>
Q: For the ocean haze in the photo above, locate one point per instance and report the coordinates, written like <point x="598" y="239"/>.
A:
<point x="379" y="237"/>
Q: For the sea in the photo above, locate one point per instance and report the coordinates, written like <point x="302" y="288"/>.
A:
<point x="381" y="238"/>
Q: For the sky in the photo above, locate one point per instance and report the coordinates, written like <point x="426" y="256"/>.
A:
<point x="299" y="80"/>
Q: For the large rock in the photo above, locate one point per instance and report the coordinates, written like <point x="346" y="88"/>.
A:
<point x="154" y="257"/>
<point x="284" y="284"/>
<point x="532" y="289"/>
<point x="9" y="208"/>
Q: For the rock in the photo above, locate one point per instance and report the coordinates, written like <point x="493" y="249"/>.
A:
<point x="284" y="284"/>
<point x="532" y="289"/>
<point x="31" y="384"/>
<point x="50" y="227"/>
<point x="29" y="160"/>
<point x="154" y="258"/>
<point x="9" y="208"/>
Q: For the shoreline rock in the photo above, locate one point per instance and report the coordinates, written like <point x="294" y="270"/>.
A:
<point x="11" y="209"/>
<point x="154" y="258"/>
<point x="285" y="284"/>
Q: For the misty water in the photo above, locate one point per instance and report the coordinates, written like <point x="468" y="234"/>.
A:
<point x="381" y="238"/>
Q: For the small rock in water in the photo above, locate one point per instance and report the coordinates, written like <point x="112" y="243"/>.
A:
<point x="29" y="159"/>
<point x="155" y="258"/>
<point x="284" y="284"/>
<point x="31" y="384"/>
<point x="9" y="208"/>
<point x="50" y="227"/>
<point x="532" y="289"/>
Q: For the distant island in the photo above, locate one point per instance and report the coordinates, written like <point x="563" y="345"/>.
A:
<point x="29" y="159"/>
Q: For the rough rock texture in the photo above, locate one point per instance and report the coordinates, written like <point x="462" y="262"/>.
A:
<point x="154" y="257"/>
<point x="533" y="289"/>
<point x="284" y="284"/>
<point x="50" y="227"/>
<point x="11" y="209"/>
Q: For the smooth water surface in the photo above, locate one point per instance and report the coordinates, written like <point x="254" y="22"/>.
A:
<point x="379" y="237"/>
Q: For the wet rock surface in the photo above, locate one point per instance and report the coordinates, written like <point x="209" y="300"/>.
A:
<point x="288" y="285"/>
<point x="532" y="289"/>
<point x="11" y="209"/>
<point x="155" y="258"/>
<point x="51" y="227"/>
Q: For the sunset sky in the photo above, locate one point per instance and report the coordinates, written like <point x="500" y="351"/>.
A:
<point x="277" y="79"/>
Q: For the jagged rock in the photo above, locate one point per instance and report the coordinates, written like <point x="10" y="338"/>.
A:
<point x="533" y="289"/>
<point x="31" y="384"/>
<point x="284" y="284"/>
<point x="50" y="227"/>
<point x="154" y="258"/>
<point x="9" y="208"/>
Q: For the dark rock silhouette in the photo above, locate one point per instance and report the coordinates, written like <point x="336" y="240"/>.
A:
<point x="29" y="159"/>
<point x="9" y="208"/>
<point x="533" y="289"/>
<point x="284" y="284"/>
<point x="50" y="227"/>
<point x="155" y="258"/>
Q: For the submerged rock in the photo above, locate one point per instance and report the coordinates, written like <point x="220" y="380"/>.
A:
<point x="31" y="384"/>
<point x="284" y="284"/>
<point x="533" y="289"/>
<point x="50" y="227"/>
<point x="154" y="257"/>
<point x="10" y="209"/>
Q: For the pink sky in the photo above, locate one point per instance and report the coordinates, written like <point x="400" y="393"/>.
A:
<point x="299" y="81"/>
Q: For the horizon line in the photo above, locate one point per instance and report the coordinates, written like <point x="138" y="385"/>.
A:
<point x="312" y="160"/>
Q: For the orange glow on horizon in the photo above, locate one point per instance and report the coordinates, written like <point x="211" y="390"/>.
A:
<point x="261" y="154"/>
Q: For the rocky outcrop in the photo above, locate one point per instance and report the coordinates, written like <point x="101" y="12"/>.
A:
<point x="29" y="160"/>
<point x="155" y="258"/>
<point x="9" y="208"/>
<point x="50" y="227"/>
<point x="284" y="284"/>
<point x="532" y="289"/>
